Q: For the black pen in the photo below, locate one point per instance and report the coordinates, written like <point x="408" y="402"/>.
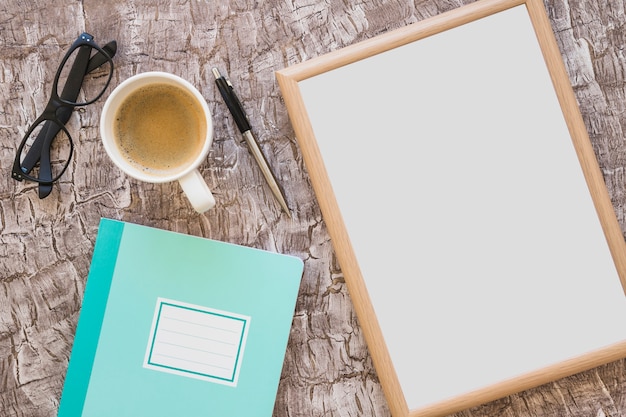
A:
<point x="236" y="109"/>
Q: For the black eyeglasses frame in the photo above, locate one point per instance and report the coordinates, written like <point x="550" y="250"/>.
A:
<point x="58" y="111"/>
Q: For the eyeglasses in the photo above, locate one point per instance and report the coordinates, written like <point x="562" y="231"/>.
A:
<point x="46" y="149"/>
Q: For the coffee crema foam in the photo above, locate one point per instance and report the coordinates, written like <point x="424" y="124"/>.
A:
<point x="160" y="129"/>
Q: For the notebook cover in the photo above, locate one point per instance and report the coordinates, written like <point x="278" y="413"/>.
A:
<point x="173" y="324"/>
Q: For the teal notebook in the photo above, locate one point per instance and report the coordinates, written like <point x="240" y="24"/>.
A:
<point x="177" y="325"/>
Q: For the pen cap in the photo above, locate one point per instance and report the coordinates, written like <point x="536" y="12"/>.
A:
<point x="233" y="103"/>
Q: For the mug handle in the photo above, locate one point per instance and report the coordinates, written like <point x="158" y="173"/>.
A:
<point x="197" y="191"/>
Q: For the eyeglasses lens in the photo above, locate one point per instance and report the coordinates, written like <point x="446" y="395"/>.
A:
<point x="59" y="150"/>
<point x="69" y="86"/>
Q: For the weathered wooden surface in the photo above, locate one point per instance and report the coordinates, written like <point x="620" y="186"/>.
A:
<point x="46" y="245"/>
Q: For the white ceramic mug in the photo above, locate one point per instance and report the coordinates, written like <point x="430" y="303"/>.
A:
<point x="184" y="171"/>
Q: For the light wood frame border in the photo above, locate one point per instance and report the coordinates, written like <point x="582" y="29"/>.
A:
<point x="288" y="79"/>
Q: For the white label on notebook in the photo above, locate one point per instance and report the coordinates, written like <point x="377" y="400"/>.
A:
<point x="197" y="342"/>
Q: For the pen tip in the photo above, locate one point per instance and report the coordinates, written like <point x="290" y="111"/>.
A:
<point x="216" y="73"/>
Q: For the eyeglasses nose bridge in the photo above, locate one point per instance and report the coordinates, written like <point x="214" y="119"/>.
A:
<point x="62" y="111"/>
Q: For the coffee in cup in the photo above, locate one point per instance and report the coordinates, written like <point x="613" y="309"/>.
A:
<point x="157" y="127"/>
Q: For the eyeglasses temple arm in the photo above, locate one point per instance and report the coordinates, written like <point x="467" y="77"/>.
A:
<point x="98" y="59"/>
<point x="70" y="92"/>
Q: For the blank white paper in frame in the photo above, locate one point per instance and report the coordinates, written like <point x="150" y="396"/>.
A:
<point x="467" y="209"/>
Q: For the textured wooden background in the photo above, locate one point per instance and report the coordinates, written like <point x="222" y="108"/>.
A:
<point x="46" y="245"/>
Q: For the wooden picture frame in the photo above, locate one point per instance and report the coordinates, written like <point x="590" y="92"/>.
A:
<point x="488" y="321"/>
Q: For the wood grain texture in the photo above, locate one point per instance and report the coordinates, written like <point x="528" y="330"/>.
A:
<point x="46" y="245"/>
